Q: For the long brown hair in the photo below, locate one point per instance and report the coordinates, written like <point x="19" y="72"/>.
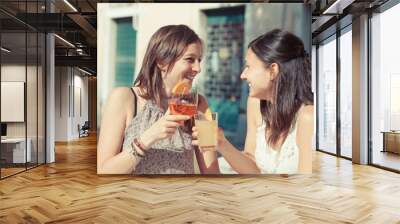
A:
<point x="166" y="46"/>
<point x="291" y="87"/>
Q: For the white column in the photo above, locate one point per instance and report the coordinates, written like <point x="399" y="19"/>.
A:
<point x="360" y="90"/>
<point x="50" y="94"/>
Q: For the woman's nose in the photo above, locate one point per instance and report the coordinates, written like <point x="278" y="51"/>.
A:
<point x="196" y="67"/>
<point x="243" y="76"/>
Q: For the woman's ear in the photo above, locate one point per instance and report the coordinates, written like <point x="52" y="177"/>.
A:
<point x="163" y="69"/>
<point x="274" y="70"/>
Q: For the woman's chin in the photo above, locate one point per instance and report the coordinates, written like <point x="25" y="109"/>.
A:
<point x="257" y="95"/>
<point x="253" y="94"/>
<point x="188" y="81"/>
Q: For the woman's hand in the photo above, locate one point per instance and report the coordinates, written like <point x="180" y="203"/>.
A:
<point x="164" y="128"/>
<point x="220" y="140"/>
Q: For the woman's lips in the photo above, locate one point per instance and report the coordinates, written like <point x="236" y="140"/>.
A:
<point x="189" y="77"/>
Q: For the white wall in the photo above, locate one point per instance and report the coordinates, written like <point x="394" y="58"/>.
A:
<point x="10" y="73"/>
<point x="61" y="84"/>
<point x="13" y="72"/>
<point x="12" y="101"/>
<point x="68" y="83"/>
<point x="80" y="83"/>
<point x="34" y="124"/>
<point x="178" y="13"/>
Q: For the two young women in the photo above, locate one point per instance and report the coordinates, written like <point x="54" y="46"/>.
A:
<point x="139" y="135"/>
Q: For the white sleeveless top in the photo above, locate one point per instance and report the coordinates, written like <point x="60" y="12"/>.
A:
<point x="283" y="161"/>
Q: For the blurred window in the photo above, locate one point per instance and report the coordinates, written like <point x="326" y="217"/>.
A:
<point x="125" y="52"/>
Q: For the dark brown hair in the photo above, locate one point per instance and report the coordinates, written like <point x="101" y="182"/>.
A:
<point x="291" y="87"/>
<point x="166" y="46"/>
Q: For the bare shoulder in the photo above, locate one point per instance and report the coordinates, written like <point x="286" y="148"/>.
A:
<point x="202" y="104"/>
<point x="306" y="115"/>
<point x="121" y="92"/>
<point x="120" y="97"/>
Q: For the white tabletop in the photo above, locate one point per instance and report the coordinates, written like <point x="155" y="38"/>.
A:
<point x="12" y="140"/>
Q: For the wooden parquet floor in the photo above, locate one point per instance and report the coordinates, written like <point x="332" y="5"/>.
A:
<point x="9" y="171"/>
<point x="69" y="191"/>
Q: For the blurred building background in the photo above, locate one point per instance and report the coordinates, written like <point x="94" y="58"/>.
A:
<point x="226" y="29"/>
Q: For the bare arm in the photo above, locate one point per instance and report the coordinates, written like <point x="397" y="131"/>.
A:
<point x="244" y="162"/>
<point x="305" y="129"/>
<point x="208" y="162"/>
<point x="117" y="114"/>
<point x="110" y="158"/>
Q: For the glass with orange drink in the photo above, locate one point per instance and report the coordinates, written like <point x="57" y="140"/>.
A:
<point x="207" y="127"/>
<point x="183" y="100"/>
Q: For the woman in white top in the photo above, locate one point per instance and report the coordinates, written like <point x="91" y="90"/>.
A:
<point x="280" y="115"/>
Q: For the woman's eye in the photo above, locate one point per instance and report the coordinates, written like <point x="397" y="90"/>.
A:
<point x="191" y="60"/>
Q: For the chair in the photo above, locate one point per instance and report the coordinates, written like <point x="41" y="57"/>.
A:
<point x="84" y="130"/>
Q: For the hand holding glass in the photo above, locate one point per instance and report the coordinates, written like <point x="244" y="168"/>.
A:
<point x="207" y="131"/>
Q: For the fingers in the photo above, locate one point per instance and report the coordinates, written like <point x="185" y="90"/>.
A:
<point x="171" y="124"/>
<point x="204" y="149"/>
<point x="208" y="149"/>
<point x="221" y="132"/>
<point x="195" y="134"/>
<point x="177" y="117"/>
<point x="168" y="112"/>
<point x="170" y="130"/>
<point x="195" y="142"/>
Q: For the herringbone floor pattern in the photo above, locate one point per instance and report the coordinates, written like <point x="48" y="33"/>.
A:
<point x="69" y="191"/>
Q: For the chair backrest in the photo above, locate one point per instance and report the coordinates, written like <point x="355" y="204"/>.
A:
<point x="86" y="125"/>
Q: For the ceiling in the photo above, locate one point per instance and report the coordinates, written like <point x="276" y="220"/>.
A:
<point x="76" y="22"/>
<point x="77" y="25"/>
<point x="332" y="15"/>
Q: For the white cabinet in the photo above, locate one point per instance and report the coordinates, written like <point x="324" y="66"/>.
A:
<point x="12" y="101"/>
<point x="16" y="147"/>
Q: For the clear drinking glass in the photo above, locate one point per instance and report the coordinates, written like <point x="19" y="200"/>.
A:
<point x="184" y="104"/>
<point x="207" y="130"/>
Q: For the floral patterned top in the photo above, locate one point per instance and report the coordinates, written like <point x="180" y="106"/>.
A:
<point x="173" y="155"/>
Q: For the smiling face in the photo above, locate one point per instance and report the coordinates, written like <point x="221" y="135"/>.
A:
<point x="259" y="78"/>
<point x="184" y="69"/>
